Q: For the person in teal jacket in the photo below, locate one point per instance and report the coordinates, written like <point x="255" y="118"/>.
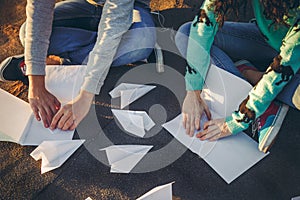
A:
<point x="272" y="44"/>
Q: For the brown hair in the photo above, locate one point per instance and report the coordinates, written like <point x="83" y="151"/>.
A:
<point x="274" y="10"/>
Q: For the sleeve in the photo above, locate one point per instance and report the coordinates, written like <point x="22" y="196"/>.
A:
<point x="202" y="33"/>
<point x="38" y="30"/>
<point x="279" y="73"/>
<point x="115" y="21"/>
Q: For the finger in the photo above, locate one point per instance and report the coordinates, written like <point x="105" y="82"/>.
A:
<point x="49" y="114"/>
<point x="208" y="123"/>
<point x="206" y="131"/>
<point x="35" y="111"/>
<point x="192" y="126"/>
<point x="68" y="123"/>
<point x="56" y="119"/>
<point x="66" y="116"/>
<point x="207" y="111"/>
<point x="212" y="133"/>
<point x="73" y="126"/>
<point x="57" y="104"/>
<point x="187" y="125"/>
<point x="44" y="117"/>
<point x="197" y="123"/>
<point x="184" y="119"/>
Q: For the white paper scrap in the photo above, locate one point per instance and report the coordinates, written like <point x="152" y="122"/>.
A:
<point x="135" y="122"/>
<point x="123" y="158"/>
<point x="163" y="192"/>
<point x="55" y="153"/>
<point x="130" y="92"/>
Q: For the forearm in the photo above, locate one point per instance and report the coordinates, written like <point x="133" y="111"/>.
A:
<point x="280" y="72"/>
<point x="115" y="21"/>
<point x="38" y="30"/>
<point x="202" y="32"/>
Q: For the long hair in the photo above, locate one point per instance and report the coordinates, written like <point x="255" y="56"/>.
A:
<point x="274" y="10"/>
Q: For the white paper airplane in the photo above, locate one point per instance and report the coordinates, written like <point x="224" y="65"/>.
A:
<point x="123" y="158"/>
<point x="163" y="192"/>
<point x="55" y="153"/>
<point x="135" y="122"/>
<point x="20" y="126"/>
<point x="130" y="92"/>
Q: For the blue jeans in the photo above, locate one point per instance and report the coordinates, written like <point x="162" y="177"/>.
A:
<point x="236" y="41"/>
<point x="75" y="27"/>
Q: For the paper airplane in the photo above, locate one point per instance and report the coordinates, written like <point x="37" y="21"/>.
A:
<point x="163" y="192"/>
<point x="123" y="158"/>
<point x="20" y="126"/>
<point x="55" y="153"/>
<point x="130" y="92"/>
<point x="135" y="122"/>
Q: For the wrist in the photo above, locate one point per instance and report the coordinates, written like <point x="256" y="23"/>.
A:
<point x="194" y="92"/>
<point x="88" y="96"/>
<point x="36" y="81"/>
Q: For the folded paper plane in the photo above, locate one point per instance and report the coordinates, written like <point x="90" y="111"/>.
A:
<point x="163" y="192"/>
<point x="123" y="158"/>
<point x="135" y="122"/>
<point x="54" y="153"/>
<point x="130" y="92"/>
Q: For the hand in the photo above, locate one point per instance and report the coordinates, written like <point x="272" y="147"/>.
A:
<point x="214" y="130"/>
<point x="70" y="115"/>
<point x="192" y="110"/>
<point x="43" y="104"/>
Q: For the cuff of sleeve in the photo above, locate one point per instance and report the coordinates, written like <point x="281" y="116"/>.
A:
<point x="34" y="68"/>
<point x="194" y="82"/>
<point x="234" y="126"/>
<point x="92" y="86"/>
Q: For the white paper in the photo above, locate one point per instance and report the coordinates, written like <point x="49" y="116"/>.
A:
<point x="231" y="156"/>
<point x="123" y="158"/>
<point x="135" y="122"/>
<point x="163" y="192"/>
<point x="130" y="92"/>
<point x="54" y="153"/>
<point x="17" y="122"/>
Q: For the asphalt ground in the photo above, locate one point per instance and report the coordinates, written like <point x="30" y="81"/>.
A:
<point x="85" y="173"/>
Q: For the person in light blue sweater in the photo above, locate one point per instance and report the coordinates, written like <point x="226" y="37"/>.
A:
<point x="273" y="45"/>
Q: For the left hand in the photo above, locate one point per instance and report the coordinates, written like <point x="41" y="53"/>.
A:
<point x="214" y="130"/>
<point x="71" y="114"/>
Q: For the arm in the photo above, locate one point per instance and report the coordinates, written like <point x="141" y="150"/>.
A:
<point x="115" y="21"/>
<point x="280" y="72"/>
<point x="38" y="29"/>
<point x="202" y="32"/>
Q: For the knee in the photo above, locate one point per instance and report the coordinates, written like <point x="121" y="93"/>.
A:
<point x="22" y="33"/>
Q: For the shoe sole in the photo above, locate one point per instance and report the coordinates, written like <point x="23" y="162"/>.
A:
<point x="4" y="64"/>
<point x="269" y="138"/>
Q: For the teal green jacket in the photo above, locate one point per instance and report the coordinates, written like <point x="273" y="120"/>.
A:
<point x="285" y="40"/>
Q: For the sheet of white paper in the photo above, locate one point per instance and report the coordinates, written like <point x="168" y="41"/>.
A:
<point x="130" y="92"/>
<point x="135" y="122"/>
<point x="296" y="198"/>
<point x="232" y="156"/>
<point x="64" y="82"/>
<point x="123" y="158"/>
<point x="163" y="192"/>
<point x="14" y="117"/>
<point x="229" y="157"/>
<point x="55" y="153"/>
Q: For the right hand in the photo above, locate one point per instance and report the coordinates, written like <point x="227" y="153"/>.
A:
<point x="192" y="110"/>
<point x="43" y="104"/>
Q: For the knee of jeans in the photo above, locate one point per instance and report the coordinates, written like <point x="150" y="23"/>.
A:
<point x="131" y="57"/>
<point x="22" y="33"/>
